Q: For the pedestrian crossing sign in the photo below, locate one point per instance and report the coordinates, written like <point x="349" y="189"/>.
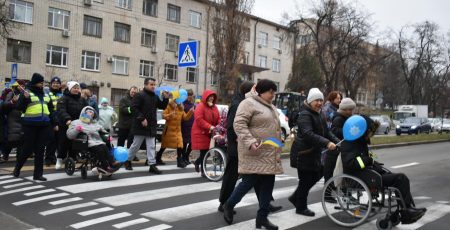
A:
<point x="187" y="54"/>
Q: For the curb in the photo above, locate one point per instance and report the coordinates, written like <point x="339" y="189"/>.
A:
<point x="385" y="146"/>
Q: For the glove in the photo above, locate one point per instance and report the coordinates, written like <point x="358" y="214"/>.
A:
<point x="79" y="128"/>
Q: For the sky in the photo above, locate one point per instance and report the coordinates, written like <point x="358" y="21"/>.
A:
<point x="387" y="15"/>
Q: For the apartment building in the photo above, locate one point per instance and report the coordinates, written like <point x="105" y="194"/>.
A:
<point x="112" y="45"/>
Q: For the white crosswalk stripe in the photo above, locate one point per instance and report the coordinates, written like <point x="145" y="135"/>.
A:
<point x="159" y="227"/>
<point x="10" y="181"/>
<point x="17" y="185"/>
<point x="21" y="190"/>
<point x="99" y="220"/>
<point x="5" y="177"/>
<point x="95" y="211"/>
<point x="68" y="208"/>
<point x="131" y="223"/>
<point x="63" y="201"/>
<point x="41" y="198"/>
<point x="39" y="192"/>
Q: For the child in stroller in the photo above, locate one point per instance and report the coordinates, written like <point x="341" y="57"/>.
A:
<point x="88" y="124"/>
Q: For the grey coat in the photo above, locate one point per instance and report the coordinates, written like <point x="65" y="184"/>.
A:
<point x="92" y="129"/>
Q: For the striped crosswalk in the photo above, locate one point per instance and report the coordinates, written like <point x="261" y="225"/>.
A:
<point x="177" y="199"/>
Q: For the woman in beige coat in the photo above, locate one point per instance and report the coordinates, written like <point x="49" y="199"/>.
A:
<point x="257" y="120"/>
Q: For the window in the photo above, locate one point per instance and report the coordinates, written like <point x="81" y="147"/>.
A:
<point x="214" y="80"/>
<point x="262" y="61"/>
<point x="172" y="42"/>
<point x="277" y="42"/>
<point x="120" y="65"/>
<point x="18" y="51"/>
<point x="117" y="95"/>
<point x="246" y="34"/>
<point x="146" y="68"/>
<point x="92" y="26"/>
<point x="150" y="8"/>
<point x="57" y="56"/>
<point x="262" y="40"/>
<point x="191" y="75"/>
<point x="122" y="32"/>
<point x="148" y="38"/>
<point x="195" y="19"/>
<point x="21" y="11"/>
<point x="276" y="65"/>
<point x="126" y="4"/>
<point x="173" y="13"/>
<point x="58" y="18"/>
<point x="171" y="72"/>
<point x="246" y="57"/>
<point x="305" y="39"/>
<point x="90" y="60"/>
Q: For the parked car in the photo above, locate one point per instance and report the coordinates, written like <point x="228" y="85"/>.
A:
<point x="436" y="124"/>
<point x="161" y="123"/>
<point x="414" y="125"/>
<point x="385" y="124"/>
<point x="284" y="121"/>
<point x="446" y="126"/>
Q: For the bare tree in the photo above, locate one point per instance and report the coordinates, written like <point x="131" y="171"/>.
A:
<point x="229" y="23"/>
<point x="305" y="73"/>
<point x="6" y="25"/>
<point x="159" y="70"/>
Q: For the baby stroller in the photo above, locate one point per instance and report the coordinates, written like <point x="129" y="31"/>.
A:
<point x="87" y="159"/>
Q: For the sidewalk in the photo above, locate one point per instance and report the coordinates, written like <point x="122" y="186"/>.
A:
<point x="11" y="223"/>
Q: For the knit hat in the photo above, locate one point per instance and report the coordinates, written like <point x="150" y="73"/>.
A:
<point x="71" y="84"/>
<point x="55" y="78"/>
<point x="104" y="100"/>
<point x="37" y="78"/>
<point x="347" y="103"/>
<point x="314" y="94"/>
<point x="83" y="85"/>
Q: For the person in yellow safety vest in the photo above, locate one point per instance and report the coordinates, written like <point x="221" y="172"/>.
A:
<point x="50" y="150"/>
<point x="37" y="120"/>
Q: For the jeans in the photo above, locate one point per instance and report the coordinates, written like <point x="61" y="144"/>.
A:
<point x="137" y="142"/>
<point x="265" y="183"/>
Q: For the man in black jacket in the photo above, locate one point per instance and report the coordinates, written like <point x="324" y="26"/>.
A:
<point x="126" y="118"/>
<point x="356" y="160"/>
<point x="143" y="108"/>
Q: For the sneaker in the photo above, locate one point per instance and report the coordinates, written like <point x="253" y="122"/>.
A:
<point x="154" y="169"/>
<point x="58" y="164"/>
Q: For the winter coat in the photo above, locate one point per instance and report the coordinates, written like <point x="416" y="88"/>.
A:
<point x="41" y="120"/>
<point x="13" y="118"/>
<point x="55" y="95"/>
<point x="107" y="114"/>
<point x="92" y="129"/>
<point x="328" y="111"/>
<point x="204" y="117"/>
<point x="186" y="126"/>
<point x="125" y="116"/>
<point x="69" y="107"/>
<point x="255" y="121"/>
<point x="172" y="137"/>
<point x="313" y="136"/>
<point x="337" y="123"/>
<point x="232" y="149"/>
<point x="144" y="106"/>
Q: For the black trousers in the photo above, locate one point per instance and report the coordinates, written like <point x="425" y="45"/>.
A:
<point x="330" y="163"/>
<point x="9" y="145"/>
<point x="36" y="137"/>
<point x="161" y="151"/>
<point x="307" y="179"/>
<point x="186" y="151"/>
<point x="401" y="182"/>
<point x="124" y="134"/>
<point x="200" y="158"/>
<point x="64" y="144"/>
<point x="50" y="150"/>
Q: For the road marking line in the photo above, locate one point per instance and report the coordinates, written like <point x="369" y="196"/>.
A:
<point x="206" y="207"/>
<point x="286" y="219"/>
<point x="63" y="201"/>
<point x="443" y="202"/>
<point x="5" y="177"/>
<point x="95" y="211"/>
<point x="100" y="220"/>
<point x="18" y="203"/>
<point x="159" y="227"/>
<point x="21" y="190"/>
<point x="67" y="208"/>
<point x="138" y="197"/>
<point x="10" y="181"/>
<point x="131" y="223"/>
<point x="17" y="185"/>
<point x="422" y="198"/>
<point x="39" y="192"/>
<point x="405" y="165"/>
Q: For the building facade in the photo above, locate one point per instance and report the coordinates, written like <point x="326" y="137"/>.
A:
<point x="112" y="45"/>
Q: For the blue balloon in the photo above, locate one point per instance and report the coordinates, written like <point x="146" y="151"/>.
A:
<point x="354" y="128"/>
<point x="183" y="96"/>
<point x="159" y="90"/>
<point x="120" y="154"/>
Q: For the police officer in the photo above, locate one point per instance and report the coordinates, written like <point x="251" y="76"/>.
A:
<point x="37" y="120"/>
<point x="54" y="94"/>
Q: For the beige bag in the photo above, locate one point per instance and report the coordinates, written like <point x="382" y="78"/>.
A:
<point x="338" y="170"/>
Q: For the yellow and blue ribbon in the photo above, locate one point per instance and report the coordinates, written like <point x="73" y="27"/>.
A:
<point x="273" y="141"/>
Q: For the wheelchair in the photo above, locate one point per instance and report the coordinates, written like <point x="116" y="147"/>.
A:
<point x="87" y="159"/>
<point x="214" y="163"/>
<point x="360" y="198"/>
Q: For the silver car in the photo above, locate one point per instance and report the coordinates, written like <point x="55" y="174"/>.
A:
<point x="385" y="124"/>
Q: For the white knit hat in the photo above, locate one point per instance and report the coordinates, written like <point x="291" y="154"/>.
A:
<point x="314" y="94"/>
<point x="71" y="84"/>
<point x="347" y="103"/>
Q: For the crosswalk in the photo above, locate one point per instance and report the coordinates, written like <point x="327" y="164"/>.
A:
<point x="177" y="199"/>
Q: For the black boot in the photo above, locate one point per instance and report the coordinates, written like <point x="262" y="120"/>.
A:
<point x="220" y="209"/>
<point x="128" y="165"/>
<point x="154" y="169"/>
<point x="228" y="213"/>
<point x="293" y="200"/>
<point x="273" y="208"/>
<point x="180" y="163"/>
<point x="158" y="157"/>
<point x="409" y="215"/>
<point x="16" y="172"/>
<point x="41" y="178"/>
<point x="264" y="222"/>
<point x="305" y="212"/>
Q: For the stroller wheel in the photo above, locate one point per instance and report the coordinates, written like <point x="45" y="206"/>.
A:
<point x="83" y="172"/>
<point x="69" y="166"/>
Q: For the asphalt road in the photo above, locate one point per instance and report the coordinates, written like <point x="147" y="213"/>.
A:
<point x="181" y="199"/>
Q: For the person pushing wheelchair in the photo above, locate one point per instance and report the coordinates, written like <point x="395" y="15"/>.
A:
<point x="357" y="160"/>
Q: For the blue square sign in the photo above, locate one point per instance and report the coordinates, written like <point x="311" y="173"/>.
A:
<point x="187" y="54"/>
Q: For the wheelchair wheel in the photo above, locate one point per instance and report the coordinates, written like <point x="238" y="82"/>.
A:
<point x="384" y="224"/>
<point x="69" y="166"/>
<point x="354" y="200"/>
<point x="83" y="171"/>
<point x="214" y="164"/>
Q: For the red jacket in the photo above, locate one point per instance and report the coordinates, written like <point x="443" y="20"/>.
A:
<point x="205" y="117"/>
